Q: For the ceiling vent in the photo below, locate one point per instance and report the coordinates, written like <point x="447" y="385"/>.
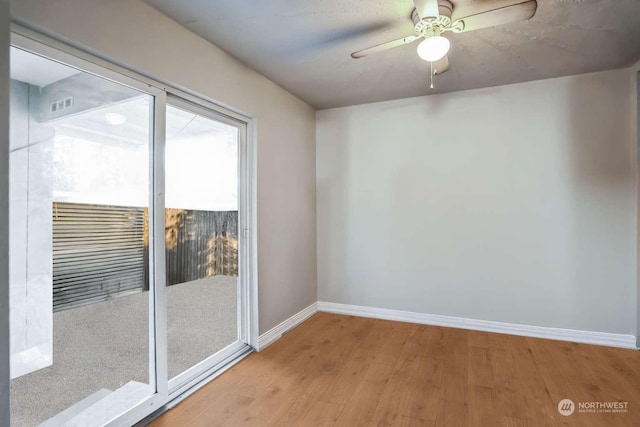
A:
<point x="61" y="104"/>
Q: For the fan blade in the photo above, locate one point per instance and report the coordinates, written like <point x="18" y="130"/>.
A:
<point x="503" y="15"/>
<point x="427" y="8"/>
<point x="384" y="46"/>
<point x="441" y="66"/>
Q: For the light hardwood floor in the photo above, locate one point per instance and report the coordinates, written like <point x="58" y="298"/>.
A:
<point x="354" y="371"/>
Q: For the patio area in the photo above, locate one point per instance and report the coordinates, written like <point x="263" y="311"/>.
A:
<point x="106" y="345"/>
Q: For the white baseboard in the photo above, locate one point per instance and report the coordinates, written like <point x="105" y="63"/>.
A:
<point x="573" y="335"/>
<point x="276" y="332"/>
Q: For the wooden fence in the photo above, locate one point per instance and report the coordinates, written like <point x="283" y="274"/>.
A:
<point x="101" y="252"/>
<point x="200" y="244"/>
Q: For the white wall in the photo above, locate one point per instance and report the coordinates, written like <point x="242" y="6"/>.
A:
<point x="513" y="204"/>
<point x="136" y="35"/>
<point x="4" y="213"/>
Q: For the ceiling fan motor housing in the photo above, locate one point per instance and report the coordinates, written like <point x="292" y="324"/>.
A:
<point x="424" y="26"/>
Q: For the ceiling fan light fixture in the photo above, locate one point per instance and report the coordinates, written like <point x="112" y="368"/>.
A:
<point x="433" y="48"/>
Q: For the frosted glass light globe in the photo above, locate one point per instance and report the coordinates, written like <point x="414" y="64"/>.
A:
<point x="433" y="48"/>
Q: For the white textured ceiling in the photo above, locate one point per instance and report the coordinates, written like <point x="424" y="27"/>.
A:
<point x="305" y="46"/>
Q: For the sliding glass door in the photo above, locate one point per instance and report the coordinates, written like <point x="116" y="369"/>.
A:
<point x="202" y="223"/>
<point x="128" y="233"/>
<point x="79" y="196"/>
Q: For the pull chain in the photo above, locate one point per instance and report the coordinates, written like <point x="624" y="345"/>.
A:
<point x="431" y="75"/>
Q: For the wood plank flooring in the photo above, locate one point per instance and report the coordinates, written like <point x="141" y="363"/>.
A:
<point x="354" y="371"/>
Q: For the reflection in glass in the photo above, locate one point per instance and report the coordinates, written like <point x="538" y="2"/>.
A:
<point x="78" y="259"/>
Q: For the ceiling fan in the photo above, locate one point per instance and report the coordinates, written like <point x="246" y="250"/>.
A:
<point x="432" y="18"/>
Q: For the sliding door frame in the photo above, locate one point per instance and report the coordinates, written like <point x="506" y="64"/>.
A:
<point x="166" y="392"/>
<point x="185" y="379"/>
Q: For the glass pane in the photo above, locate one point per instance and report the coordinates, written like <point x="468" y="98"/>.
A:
<point x="201" y="237"/>
<point x="79" y="300"/>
